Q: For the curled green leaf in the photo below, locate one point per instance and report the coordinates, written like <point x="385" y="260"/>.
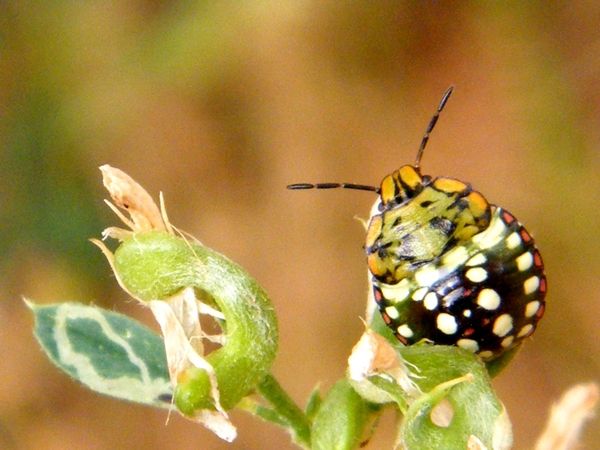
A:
<point x="178" y="278"/>
<point x="156" y="265"/>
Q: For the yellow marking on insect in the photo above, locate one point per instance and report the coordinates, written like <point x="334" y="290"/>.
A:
<point x="477" y="260"/>
<point x="427" y="275"/>
<point x="374" y="230"/>
<point x="455" y="257"/>
<point x="376" y="265"/>
<point x="492" y="235"/>
<point x="502" y="325"/>
<point x="478" y="205"/>
<point x="532" y="308"/>
<point x="531" y="285"/>
<point x="449" y="185"/>
<point x="410" y="176"/>
<point x="387" y="189"/>
<point x="395" y="293"/>
<point x="525" y="261"/>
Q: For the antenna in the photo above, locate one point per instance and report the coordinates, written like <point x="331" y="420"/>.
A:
<point x="363" y="187"/>
<point x="358" y="187"/>
<point x="431" y="125"/>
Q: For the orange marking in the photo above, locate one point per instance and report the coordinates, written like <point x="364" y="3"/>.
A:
<point x="378" y="295"/>
<point x="449" y="185"/>
<point x="469" y="331"/>
<point x="542" y="287"/>
<point x="508" y="217"/>
<point x="375" y="265"/>
<point x="374" y="230"/>
<point x="410" y="176"/>
<point x="537" y="259"/>
<point x="386" y="318"/>
<point x="477" y="203"/>
<point x="485" y="322"/>
<point x="525" y="235"/>
<point x="388" y="189"/>
<point x="401" y="338"/>
<point x="540" y="311"/>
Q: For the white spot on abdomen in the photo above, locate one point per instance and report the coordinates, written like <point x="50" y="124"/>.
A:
<point x="476" y="274"/>
<point x="502" y="325"/>
<point x="405" y="330"/>
<point x="525" y="261"/>
<point x="513" y="241"/>
<point x="431" y="301"/>
<point x="468" y="344"/>
<point x="532" y="308"/>
<point x="488" y="299"/>
<point x="419" y="294"/>
<point x="446" y="323"/>
<point x="507" y="341"/>
<point x="531" y="285"/>
<point x="525" y="331"/>
<point x="392" y="312"/>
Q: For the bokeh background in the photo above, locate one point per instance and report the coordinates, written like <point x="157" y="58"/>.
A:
<point x="220" y="105"/>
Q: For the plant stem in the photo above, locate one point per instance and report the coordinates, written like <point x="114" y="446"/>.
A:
<point x="285" y="408"/>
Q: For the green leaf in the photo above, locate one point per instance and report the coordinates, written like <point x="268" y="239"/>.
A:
<point x="460" y="379"/>
<point x="341" y="420"/>
<point x="108" y="352"/>
<point x="156" y="265"/>
<point x="313" y="404"/>
<point x="396" y="393"/>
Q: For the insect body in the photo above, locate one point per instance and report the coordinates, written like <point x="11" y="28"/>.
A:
<point x="448" y="267"/>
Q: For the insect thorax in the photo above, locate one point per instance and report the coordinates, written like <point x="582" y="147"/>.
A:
<point x="419" y="220"/>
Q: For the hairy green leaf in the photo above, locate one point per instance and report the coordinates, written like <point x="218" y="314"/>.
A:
<point x="457" y="403"/>
<point x="156" y="265"/>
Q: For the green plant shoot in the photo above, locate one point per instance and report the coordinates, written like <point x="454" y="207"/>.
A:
<point x="179" y="279"/>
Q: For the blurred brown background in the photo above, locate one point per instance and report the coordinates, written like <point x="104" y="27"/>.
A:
<point x="220" y="105"/>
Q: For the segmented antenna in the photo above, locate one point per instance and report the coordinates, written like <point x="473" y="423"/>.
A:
<point x="431" y="125"/>
<point x="358" y="187"/>
<point x="363" y="187"/>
